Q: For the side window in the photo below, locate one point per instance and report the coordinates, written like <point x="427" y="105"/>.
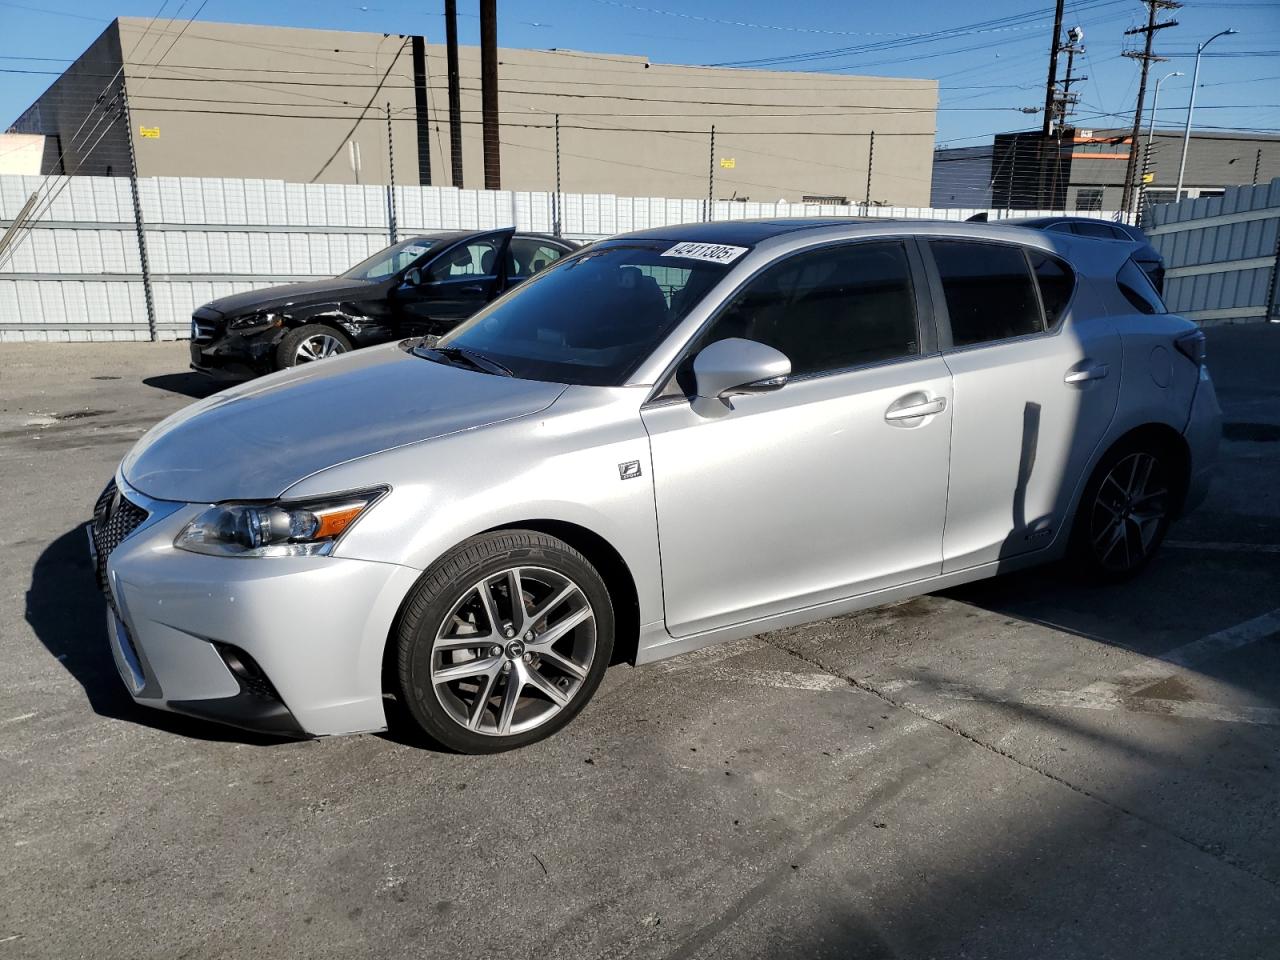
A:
<point x="1091" y="228"/>
<point x="1057" y="282"/>
<point x="475" y="259"/>
<point x="830" y="310"/>
<point x="525" y="257"/>
<point x="988" y="289"/>
<point x="1137" y="289"/>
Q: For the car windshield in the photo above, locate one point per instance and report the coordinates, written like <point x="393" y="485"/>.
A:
<point x="593" y="318"/>
<point x="397" y="257"/>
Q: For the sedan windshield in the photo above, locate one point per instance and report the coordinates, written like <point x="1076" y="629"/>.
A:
<point x="397" y="257"/>
<point x="591" y="319"/>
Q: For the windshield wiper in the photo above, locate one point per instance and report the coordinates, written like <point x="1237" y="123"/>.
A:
<point x="470" y="358"/>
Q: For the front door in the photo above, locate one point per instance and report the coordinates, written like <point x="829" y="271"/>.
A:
<point x="453" y="286"/>
<point x="1037" y="377"/>
<point x="833" y="485"/>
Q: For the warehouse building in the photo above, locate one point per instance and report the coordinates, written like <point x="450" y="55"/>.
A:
<point x="1090" y="171"/>
<point x="230" y="100"/>
<point x="1018" y="172"/>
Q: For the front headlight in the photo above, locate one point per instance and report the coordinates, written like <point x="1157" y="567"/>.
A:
<point x="254" y="322"/>
<point x="302" y="528"/>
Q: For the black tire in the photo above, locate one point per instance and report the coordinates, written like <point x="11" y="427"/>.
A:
<point x="287" y="350"/>
<point x="1098" y="552"/>
<point x="447" y="598"/>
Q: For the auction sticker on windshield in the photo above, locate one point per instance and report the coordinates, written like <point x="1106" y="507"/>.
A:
<point x="711" y="252"/>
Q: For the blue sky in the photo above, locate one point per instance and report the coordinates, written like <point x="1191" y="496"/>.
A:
<point x="985" y="73"/>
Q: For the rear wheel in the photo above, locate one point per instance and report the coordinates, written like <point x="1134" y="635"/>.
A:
<point x="1125" y="511"/>
<point x="504" y="641"/>
<point x="310" y="343"/>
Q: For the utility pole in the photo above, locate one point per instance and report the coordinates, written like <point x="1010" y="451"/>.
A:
<point x="391" y="177"/>
<point x="871" y="156"/>
<point x="1051" y="87"/>
<point x="1154" y="7"/>
<point x="143" y="259"/>
<point x="489" y="93"/>
<point x="455" y="93"/>
<point x="555" y="200"/>
<point x="711" y="172"/>
<point x="1064" y="104"/>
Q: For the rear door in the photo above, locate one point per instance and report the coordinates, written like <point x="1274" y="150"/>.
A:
<point x="453" y="286"/>
<point x="1036" y="368"/>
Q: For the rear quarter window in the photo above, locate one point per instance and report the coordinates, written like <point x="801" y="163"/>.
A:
<point x="1137" y="289"/>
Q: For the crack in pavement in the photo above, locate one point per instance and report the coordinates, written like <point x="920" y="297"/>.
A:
<point x="957" y="730"/>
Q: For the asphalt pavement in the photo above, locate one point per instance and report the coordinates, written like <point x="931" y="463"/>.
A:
<point x="1024" y="767"/>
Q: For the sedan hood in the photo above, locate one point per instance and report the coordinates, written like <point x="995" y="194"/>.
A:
<point x="255" y="441"/>
<point x="290" y="294"/>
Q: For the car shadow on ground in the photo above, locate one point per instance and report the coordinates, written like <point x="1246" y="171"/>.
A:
<point x="194" y="385"/>
<point x="68" y="615"/>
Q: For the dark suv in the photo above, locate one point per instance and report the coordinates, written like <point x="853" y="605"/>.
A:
<point x="424" y="285"/>
<point x="1147" y="257"/>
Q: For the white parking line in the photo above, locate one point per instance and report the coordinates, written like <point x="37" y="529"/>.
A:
<point x="1087" y="699"/>
<point x="782" y="679"/>
<point x="1223" y="547"/>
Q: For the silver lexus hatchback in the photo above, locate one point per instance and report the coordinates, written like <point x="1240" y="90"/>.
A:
<point x="669" y="439"/>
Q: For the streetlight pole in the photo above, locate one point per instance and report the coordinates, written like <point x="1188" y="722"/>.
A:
<point x="1151" y="129"/>
<point x="1191" y="106"/>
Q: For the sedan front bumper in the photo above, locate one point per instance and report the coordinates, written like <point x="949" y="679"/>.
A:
<point x="288" y="645"/>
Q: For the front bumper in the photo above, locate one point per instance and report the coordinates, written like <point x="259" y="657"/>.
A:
<point x="230" y="356"/>
<point x="286" y="645"/>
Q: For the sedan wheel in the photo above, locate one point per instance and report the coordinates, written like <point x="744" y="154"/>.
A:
<point x="514" y="651"/>
<point x="317" y="348"/>
<point x="504" y="641"/>
<point x="1125" y="512"/>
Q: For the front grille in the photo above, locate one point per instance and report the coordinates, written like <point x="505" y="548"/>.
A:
<point x="114" y="518"/>
<point x="202" y="331"/>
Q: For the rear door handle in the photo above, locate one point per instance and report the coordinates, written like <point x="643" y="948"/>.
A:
<point x="914" y="406"/>
<point x="1090" y="371"/>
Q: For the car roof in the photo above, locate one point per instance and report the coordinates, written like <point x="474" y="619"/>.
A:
<point x="1038" y="222"/>
<point x="739" y="232"/>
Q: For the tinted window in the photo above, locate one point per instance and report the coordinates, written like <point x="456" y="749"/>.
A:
<point x="988" y="290"/>
<point x="526" y="256"/>
<point x="1104" y="231"/>
<point x="592" y="318"/>
<point x="476" y="259"/>
<point x="829" y="310"/>
<point x="1137" y="289"/>
<point x="393" y="259"/>
<point x="1056" y="280"/>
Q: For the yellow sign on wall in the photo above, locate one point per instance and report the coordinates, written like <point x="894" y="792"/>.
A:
<point x="728" y="162"/>
<point x="149" y="133"/>
<point x="1148" y="178"/>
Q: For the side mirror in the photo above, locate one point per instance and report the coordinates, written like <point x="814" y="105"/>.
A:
<point x="413" y="277"/>
<point x="735" y="366"/>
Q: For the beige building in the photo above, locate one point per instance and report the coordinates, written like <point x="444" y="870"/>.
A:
<point x="229" y="100"/>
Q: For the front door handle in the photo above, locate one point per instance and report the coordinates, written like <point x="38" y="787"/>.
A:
<point x="913" y="406"/>
<point x="1089" y="371"/>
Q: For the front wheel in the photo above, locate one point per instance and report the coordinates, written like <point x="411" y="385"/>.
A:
<point x="1124" y="512"/>
<point x="309" y="343"/>
<point x="503" y="641"/>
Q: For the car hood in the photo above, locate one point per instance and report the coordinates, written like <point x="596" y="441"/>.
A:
<point x="257" y="440"/>
<point x="289" y="294"/>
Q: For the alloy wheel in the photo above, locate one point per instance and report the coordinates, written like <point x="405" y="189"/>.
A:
<point x="318" y="348"/>
<point x="514" y="651"/>
<point x="1131" y="505"/>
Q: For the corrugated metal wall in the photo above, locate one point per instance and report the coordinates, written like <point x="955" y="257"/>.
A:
<point x="1221" y="254"/>
<point x="77" y="276"/>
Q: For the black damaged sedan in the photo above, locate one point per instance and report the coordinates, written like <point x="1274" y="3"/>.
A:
<point x="421" y="286"/>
